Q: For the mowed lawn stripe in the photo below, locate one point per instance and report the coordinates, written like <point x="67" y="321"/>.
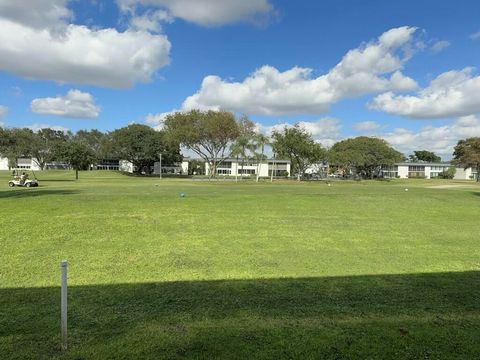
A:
<point x="239" y="270"/>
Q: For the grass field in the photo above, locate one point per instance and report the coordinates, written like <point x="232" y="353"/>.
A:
<point x="240" y="271"/>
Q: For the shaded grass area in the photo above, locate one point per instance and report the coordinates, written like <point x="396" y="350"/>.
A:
<point x="240" y="270"/>
<point x="409" y="316"/>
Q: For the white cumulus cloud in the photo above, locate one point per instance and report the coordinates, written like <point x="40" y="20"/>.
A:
<point x="441" y="139"/>
<point x="36" y="42"/>
<point x="451" y="94"/>
<point x="440" y="45"/>
<point x="207" y="12"/>
<point x="3" y="112"/>
<point x="157" y="120"/>
<point x="37" y="127"/>
<point x="150" y="21"/>
<point x="37" y="14"/>
<point x="372" y="68"/>
<point x="326" y="131"/>
<point x="475" y="36"/>
<point x="75" y="104"/>
<point x="366" y="126"/>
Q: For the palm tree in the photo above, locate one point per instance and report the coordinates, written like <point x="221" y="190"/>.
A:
<point x="260" y="141"/>
<point x="235" y="152"/>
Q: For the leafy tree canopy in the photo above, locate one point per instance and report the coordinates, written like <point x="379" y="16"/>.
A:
<point x="297" y="145"/>
<point x="467" y="154"/>
<point x="77" y="154"/>
<point x="45" y="145"/>
<point x="424" y="155"/>
<point x="142" y="145"/>
<point x="99" y="142"/>
<point x="207" y="133"/>
<point x="364" y="155"/>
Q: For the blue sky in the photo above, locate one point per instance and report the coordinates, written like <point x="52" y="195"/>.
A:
<point x="404" y="71"/>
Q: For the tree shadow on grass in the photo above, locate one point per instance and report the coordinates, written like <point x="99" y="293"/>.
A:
<point x="18" y="193"/>
<point x="419" y="316"/>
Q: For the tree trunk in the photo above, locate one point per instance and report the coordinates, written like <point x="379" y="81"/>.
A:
<point x="213" y="170"/>
<point x="76" y="174"/>
<point x="236" y="170"/>
<point x="478" y="173"/>
<point x="241" y="168"/>
<point x="273" y="168"/>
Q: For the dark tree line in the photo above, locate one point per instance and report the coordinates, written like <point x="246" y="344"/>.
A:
<point x="214" y="136"/>
<point x="139" y="144"/>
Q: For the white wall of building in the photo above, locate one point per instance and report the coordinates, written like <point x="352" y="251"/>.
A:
<point x="403" y="171"/>
<point x="432" y="171"/>
<point x="3" y="163"/>
<point x="126" y="166"/>
<point x="185" y="167"/>
<point x="248" y="168"/>
<point x="463" y="174"/>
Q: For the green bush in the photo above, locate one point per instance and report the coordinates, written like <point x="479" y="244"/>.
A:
<point x="447" y="174"/>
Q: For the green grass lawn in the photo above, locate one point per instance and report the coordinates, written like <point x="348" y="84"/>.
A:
<point x="357" y="270"/>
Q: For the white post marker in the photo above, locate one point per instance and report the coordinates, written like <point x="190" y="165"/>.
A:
<point x="64" y="266"/>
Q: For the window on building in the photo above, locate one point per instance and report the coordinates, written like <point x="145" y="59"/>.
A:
<point x="246" y="171"/>
<point x="224" y="171"/>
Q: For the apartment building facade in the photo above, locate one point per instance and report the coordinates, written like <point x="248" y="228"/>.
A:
<point x="421" y="170"/>
<point x="239" y="167"/>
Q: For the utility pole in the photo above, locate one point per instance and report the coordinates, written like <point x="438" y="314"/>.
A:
<point x="160" y="166"/>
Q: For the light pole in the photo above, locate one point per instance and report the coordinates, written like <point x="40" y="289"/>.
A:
<point x="160" y="165"/>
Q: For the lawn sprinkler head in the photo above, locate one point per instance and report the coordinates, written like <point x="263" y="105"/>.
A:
<point x="182" y="194"/>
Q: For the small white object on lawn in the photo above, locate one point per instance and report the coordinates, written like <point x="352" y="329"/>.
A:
<point x="406" y="189"/>
<point x="329" y="184"/>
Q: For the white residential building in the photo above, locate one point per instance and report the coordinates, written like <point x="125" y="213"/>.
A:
<point x="3" y="164"/>
<point x="234" y="167"/>
<point x="22" y="163"/>
<point x="420" y="170"/>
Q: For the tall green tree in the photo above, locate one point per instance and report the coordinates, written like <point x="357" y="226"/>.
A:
<point x="207" y="133"/>
<point x="260" y="141"/>
<point x="297" y="144"/>
<point x="424" y="155"/>
<point x="467" y="154"/>
<point x="99" y="142"/>
<point x="363" y="155"/>
<point x="6" y="141"/>
<point x="244" y="146"/>
<point x="16" y="143"/>
<point x="77" y="154"/>
<point x="45" y="144"/>
<point x="142" y="145"/>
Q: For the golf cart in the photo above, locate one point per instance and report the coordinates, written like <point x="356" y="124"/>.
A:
<point x="21" y="177"/>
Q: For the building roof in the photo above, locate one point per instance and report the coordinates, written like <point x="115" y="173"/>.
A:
<point x="422" y="164"/>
